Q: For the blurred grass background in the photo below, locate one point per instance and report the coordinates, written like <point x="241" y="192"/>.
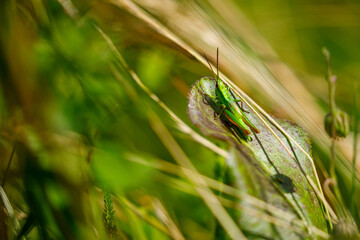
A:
<point x="78" y="121"/>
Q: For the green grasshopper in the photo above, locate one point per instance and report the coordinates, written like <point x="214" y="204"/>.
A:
<point x="224" y="104"/>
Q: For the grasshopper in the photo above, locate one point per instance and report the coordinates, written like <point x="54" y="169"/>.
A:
<point x="225" y="105"/>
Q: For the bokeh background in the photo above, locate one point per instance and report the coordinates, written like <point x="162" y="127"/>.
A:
<point x="84" y="130"/>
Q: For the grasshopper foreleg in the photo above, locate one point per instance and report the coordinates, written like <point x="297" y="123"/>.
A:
<point x="223" y="107"/>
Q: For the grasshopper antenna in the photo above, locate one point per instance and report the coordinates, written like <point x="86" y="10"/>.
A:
<point x="217" y="63"/>
<point x="209" y="65"/>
